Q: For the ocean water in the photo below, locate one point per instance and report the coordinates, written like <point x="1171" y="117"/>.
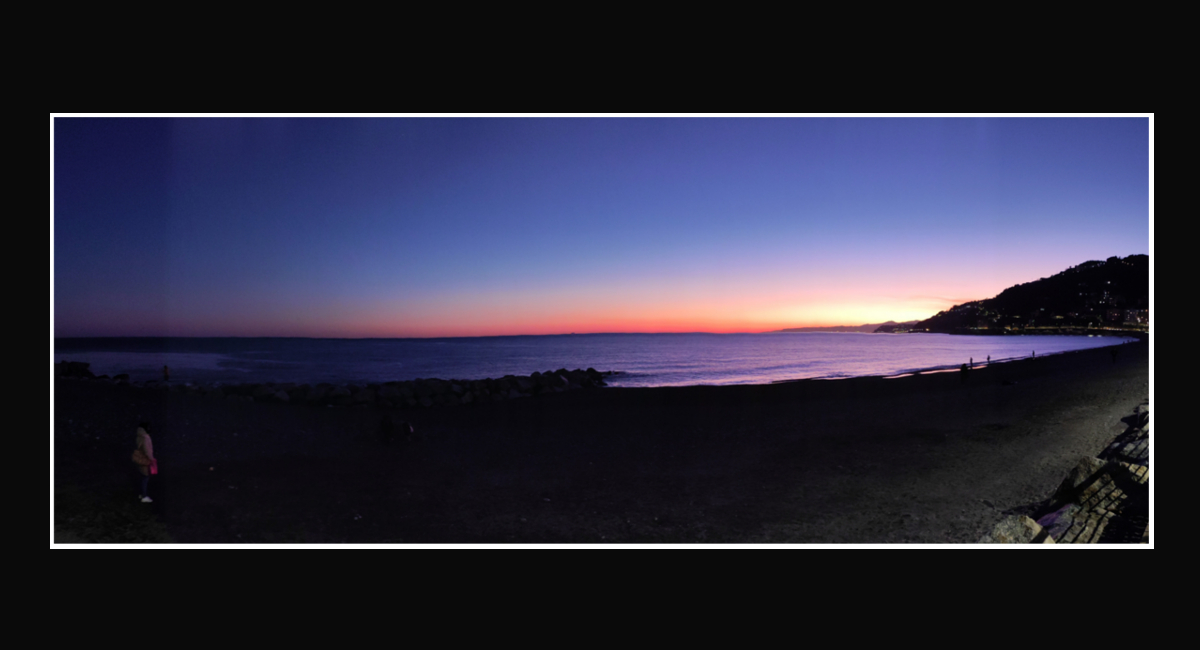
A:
<point x="641" y="359"/>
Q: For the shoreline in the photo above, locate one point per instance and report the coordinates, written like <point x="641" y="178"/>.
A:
<point x="216" y="364"/>
<point x="926" y="458"/>
<point x="576" y="378"/>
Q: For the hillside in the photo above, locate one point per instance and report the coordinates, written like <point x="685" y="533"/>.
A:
<point x="1093" y="296"/>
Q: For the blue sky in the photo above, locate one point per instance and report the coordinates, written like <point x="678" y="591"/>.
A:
<point x="478" y="226"/>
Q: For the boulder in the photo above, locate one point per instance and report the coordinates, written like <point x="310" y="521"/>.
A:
<point x="1017" y="529"/>
<point x="422" y="388"/>
<point x="389" y="391"/>
<point x="1057" y="523"/>
<point x="1143" y="416"/>
<point x="73" y="369"/>
<point x="1079" y="476"/>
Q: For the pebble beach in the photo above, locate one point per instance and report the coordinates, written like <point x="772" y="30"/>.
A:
<point x="935" y="458"/>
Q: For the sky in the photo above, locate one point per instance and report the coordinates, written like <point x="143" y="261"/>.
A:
<point x="480" y="226"/>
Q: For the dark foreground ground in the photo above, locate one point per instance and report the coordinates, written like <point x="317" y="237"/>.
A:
<point x="927" y="459"/>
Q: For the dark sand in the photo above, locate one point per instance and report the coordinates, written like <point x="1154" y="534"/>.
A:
<point x="925" y="459"/>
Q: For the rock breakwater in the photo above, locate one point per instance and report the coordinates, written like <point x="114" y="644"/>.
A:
<point x="1103" y="500"/>
<point x="416" y="393"/>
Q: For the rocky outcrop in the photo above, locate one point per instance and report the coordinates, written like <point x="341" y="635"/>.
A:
<point x="1103" y="500"/>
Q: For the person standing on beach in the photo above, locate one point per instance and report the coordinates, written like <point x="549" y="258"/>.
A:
<point x="146" y="447"/>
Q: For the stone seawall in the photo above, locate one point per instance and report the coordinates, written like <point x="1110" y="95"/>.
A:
<point x="1104" y="500"/>
<point x="417" y="393"/>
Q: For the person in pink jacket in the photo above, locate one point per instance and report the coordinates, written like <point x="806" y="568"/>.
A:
<point x="147" y="447"/>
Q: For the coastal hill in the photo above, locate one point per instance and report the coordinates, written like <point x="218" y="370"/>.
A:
<point x="1113" y="295"/>
<point x="886" y="327"/>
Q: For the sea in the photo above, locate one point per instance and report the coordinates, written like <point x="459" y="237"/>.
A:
<point x="637" y="359"/>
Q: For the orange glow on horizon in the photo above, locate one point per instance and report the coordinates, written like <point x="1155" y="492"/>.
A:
<point x="643" y="309"/>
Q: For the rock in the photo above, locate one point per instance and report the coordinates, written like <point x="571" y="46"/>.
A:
<point x="279" y="396"/>
<point x="389" y="391"/>
<point x="1017" y="529"/>
<point x="340" y="391"/>
<point x="338" y="396"/>
<point x="73" y="369"/>
<point x="422" y="388"/>
<point x="1057" y="523"/>
<point x="1080" y="474"/>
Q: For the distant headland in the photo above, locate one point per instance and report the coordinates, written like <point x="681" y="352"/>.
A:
<point x="869" y="328"/>
<point x="1109" y="297"/>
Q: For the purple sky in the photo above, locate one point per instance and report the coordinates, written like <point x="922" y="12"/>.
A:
<point x="477" y="226"/>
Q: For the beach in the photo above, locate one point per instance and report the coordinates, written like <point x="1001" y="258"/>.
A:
<point x="931" y="458"/>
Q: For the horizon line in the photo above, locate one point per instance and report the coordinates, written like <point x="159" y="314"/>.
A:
<point x="481" y="336"/>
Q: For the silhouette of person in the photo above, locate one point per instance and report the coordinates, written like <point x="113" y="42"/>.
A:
<point x="146" y="447"/>
<point x="972" y="363"/>
<point x="962" y="373"/>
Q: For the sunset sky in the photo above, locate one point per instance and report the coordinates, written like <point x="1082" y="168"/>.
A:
<point x="421" y="227"/>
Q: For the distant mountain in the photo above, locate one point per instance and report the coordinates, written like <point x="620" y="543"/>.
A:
<point x="892" y="327"/>
<point x="888" y="326"/>
<point x="1113" y="294"/>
